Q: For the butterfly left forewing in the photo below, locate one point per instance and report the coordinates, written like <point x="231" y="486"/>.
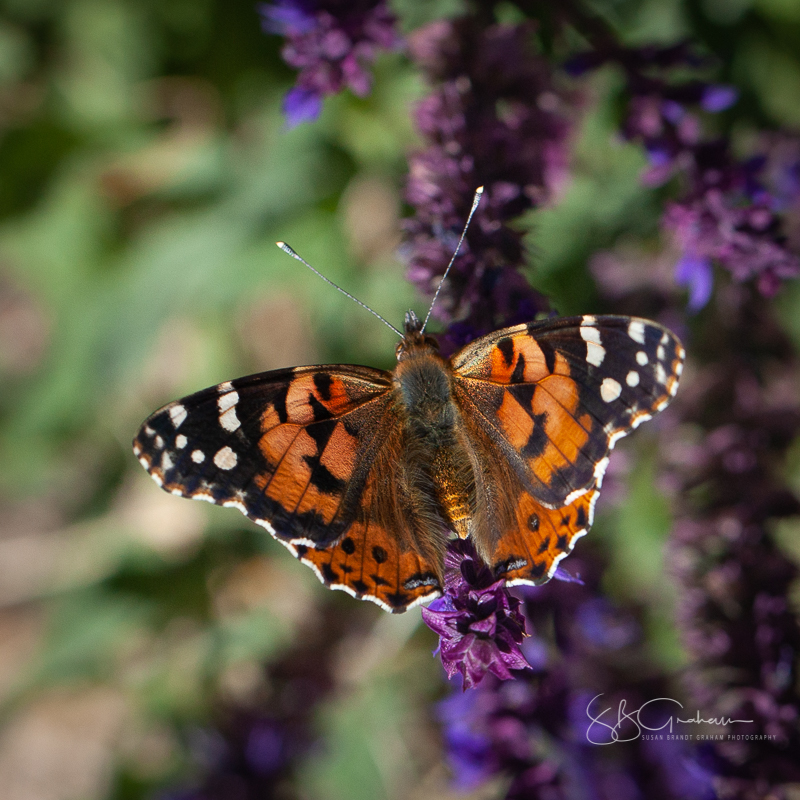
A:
<point x="554" y="397"/>
<point x="279" y="446"/>
<point x="310" y="454"/>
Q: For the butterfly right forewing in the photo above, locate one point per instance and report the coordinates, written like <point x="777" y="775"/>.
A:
<point x="554" y="397"/>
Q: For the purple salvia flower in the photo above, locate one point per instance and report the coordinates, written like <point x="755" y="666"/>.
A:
<point x="743" y="239"/>
<point x="726" y="214"/>
<point x="331" y="43"/>
<point x="479" y="624"/>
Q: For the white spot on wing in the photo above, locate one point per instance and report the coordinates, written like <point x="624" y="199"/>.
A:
<point x="641" y="358"/>
<point x="229" y="420"/>
<point x="198" y="456"/>
<point x="661" y="376"/>
<point x="227" y="406"/>
<point x="660" y="353"/>
<point x="595" y="352"/>
<point x="181" y="441"/>
<point x="636" y="330"/>
<point x="610" y="390"/>
<point x="226" y="401"/>
<point x="158" y="442"/>
<point x="632" y="378"/>
<point x="206" y="498"/>
<point x="225" y="387"/>
<point x="225" y="458"/>
<point x="166" y="461"/>
<point x="177" y="414"/>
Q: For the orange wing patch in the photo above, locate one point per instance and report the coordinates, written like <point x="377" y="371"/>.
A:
<point x="551" y="442"/>
<point x="530" y="553"/>
<point x="370" y="562"/>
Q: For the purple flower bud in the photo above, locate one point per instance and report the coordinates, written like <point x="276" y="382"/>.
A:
<point x="718" y="97"/>
<point x="287" y="17"/>
<point x="301" y="105"/>
<point x="695" y="273"/>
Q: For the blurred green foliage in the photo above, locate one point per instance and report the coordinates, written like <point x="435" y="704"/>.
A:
<point x="145" y="174"/>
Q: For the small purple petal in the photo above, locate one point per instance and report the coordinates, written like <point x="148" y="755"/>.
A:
<point x="301" y="105"/>
<point x="265" y="749"/>
<point x="286" y="18"/>
<point x="695" y="273"/>
<point x="672" y="111"/>
<point x="563" y="574"/>
<point x="718" y="97"/>
<point x="658" y="157"/>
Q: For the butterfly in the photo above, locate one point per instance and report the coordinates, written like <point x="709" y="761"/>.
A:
<point x="364" y="474"/>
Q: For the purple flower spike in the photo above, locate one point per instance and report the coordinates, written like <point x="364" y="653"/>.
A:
<point x="695" y="273"/>
<point x="331" y="44"/>
<point x="478" y="621"/>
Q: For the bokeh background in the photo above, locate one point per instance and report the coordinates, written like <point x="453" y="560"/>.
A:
<point x="146" y="171"/>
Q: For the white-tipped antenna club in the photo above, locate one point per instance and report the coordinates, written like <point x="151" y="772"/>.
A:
<point x="288" y="250"/>
<point x="475" y="202"/>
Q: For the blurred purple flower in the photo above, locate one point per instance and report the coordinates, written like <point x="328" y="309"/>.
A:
<point x="470" y="753"/>
<point x="478" y="622"/>
<point x="726" y="213"/>
<point x="288" y="17"/>
<point x="301" y="105"/>
<point x="742" y="238"/>
<point x="331" y="43"/>
<point x="696" y="274"/>
<point x="718" y="97"/>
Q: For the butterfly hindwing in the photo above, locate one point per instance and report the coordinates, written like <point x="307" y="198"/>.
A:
<point x="299" y="451"/>
<point x="530" y="551"/>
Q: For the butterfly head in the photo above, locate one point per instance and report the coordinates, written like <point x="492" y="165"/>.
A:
<point x="414" y="339"/>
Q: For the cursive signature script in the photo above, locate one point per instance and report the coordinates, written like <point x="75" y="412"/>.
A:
<point x="650" y="716"/>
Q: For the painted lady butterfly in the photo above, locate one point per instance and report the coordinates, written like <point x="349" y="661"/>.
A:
<point x="360" y="472"/>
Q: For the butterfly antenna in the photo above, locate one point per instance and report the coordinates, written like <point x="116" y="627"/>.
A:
<point x="286" y="249"/>
<point x="475" y="201"/>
